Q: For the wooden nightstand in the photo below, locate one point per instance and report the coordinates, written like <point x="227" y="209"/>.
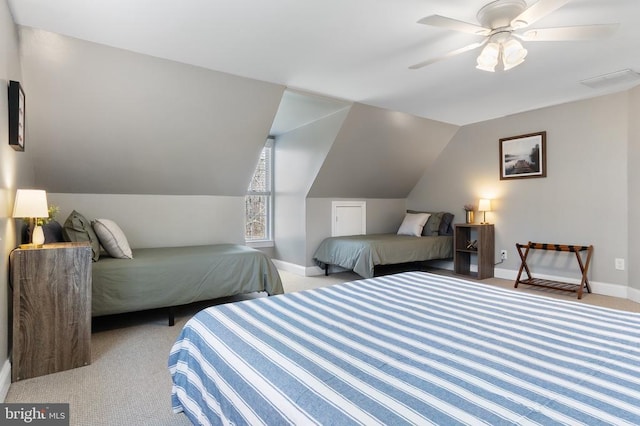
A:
<point x="51" y="309"/>
<point x="464" y="249"/>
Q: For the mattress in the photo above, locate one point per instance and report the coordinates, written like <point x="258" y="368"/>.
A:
<point x="172" y="276"/>
<point x="411" y="348"/>
<point x="361" y="253"/>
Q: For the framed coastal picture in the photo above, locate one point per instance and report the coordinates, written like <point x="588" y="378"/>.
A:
<point x="16" y="116"/>
<point x="523" y="156"/>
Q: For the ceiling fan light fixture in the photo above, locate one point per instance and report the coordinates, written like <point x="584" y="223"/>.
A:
<point x="501" y="22"/>
<point x="513" y="53"/>
<point x="489" y="57"/>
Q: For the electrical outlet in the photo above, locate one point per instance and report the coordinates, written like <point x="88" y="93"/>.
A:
<point x="620" y="264"/>
<point x="503" y="255"/>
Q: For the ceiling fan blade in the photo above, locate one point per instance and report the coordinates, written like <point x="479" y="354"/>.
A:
<point x="454" y="24"/>
<point x="586" y="32"/>
<point x="537" y="11"/>
<point x="448" y="55"/>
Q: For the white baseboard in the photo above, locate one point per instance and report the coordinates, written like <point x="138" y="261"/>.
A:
<point x="5" y="380"/>
<point x="605" y="289"/>
<point x="289" y="267"/>
<point x="303" y="271"/>
<point x="634" y="294"/>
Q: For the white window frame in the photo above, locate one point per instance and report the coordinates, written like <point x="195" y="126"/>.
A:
<point x="268" y="241"/>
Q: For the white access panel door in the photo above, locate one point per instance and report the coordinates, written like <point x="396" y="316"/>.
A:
<point x="349" y="218"/>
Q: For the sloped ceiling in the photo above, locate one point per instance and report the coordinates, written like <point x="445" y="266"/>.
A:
<point x="105" y="120"/>
<point x="358" y="50"/>
<point x="380" y="154"/>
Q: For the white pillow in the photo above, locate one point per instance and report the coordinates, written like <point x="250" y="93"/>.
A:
<point x="112" y="238"/>
<point x="413" y="224"/>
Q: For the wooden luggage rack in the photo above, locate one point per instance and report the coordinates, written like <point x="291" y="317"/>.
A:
<point x="557" y="285"/>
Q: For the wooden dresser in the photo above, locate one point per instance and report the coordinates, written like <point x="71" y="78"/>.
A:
<point x="51" y="309"/>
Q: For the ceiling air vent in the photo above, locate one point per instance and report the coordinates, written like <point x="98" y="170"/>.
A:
<point x="618" y="78"/>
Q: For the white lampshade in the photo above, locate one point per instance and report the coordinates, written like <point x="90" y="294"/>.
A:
<point x="30" y="203"/>
<point x="484" y="205"/>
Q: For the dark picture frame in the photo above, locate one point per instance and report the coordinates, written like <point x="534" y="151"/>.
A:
<point x="17" y="114"/>
<point x="523" y="156"/>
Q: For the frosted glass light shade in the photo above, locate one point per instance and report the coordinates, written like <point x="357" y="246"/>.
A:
<point x="513" y="54"/>
<point x="488" y="59"/>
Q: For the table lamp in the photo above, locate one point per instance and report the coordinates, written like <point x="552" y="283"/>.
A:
<point x="32" y="204"/>
<point x="484" y="206"/>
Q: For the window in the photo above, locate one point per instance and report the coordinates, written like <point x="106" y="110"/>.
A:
<point x="259" y="199"/>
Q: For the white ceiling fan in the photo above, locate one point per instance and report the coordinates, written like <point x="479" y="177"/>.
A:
<point x="501" y="23"/>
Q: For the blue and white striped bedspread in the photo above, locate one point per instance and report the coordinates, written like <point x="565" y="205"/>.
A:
<point x="412" y="348"/>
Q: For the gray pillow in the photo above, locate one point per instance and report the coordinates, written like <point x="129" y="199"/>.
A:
<point x="432" y="225"/>
<point x="445" y="225"/>
<point x="438" y="224"/>
<point x="78" y="229"/>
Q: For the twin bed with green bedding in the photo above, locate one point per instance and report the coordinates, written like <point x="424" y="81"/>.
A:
<point x="361" y="253"/>
<point x="422" y="236"/>
<point x="172" y="276"/>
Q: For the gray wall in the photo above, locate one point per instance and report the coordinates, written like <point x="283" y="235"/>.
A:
<point x="383" y="216"/>
<point x="633" y="159"/>
<point x="360" y="153"/>
<point x="161" y="220"/>
<point x="109" y="121"/>
<point x="380" y="154"/>
<point x="299" y="154"/>
<point x="583" y="199"/>
<point x="16" y="171"/>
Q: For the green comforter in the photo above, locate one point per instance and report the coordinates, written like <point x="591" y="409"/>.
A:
<point x="171" y="276"/>
<point x="361" y="253"/>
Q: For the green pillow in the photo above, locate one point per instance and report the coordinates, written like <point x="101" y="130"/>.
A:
<point x="432" y="226"/>
<point x="78" y="229"/>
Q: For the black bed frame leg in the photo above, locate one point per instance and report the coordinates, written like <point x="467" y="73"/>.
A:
<point x="172" y="316"/>
<point x="326" y="270"/>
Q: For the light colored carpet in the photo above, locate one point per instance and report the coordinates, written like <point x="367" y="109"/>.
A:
<point x="128" y="382"/>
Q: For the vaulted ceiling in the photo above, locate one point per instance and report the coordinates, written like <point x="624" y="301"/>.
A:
<point x="104" y="120"/>
<point x="356" y="50"/>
